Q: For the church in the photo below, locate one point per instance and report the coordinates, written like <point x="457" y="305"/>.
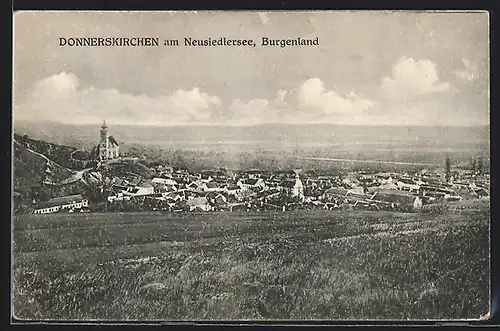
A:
<point x="108" y="148"/>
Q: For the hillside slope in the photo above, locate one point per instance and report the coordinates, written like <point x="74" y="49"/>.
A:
<point x="32" y="168"/>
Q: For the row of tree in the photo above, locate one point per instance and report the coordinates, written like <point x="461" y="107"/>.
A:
<point x="477" y="167"/>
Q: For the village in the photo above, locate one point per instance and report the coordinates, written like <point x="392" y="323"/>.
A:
<point x="180" y="190"/>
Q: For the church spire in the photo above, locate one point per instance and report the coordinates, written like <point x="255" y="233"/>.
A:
<point x="104" y="126"/>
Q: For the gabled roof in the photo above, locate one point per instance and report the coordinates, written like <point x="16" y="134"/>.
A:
<point x="119" y="182"/>
<point x="213" y="185"/>
<point x="145" y="184"/>
<point x="59" y="201"/>
<point x="135" y="181"/>
<point x="250" y="181"/>
<point x="165" y="181"/>
<point x="112" y="141"/>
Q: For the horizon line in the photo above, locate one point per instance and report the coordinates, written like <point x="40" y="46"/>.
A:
<point x="249" y="125"/>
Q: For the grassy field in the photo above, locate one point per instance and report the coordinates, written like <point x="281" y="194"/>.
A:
<point x="292" y="265"/>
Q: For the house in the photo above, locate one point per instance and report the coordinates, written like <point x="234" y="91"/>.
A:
<point x="384" y="178"/>
<point x="134" y="182"/>
<point x="197" y="185"/>
<point x="213" y="187"/>
<point x="143" y="188"/>
<point x="398" y="199"/>
<point x="389" y="186"/>
<point x="118" y="196"/>
<point x="119" y="184"/>
<point x="69" y="203"/>
<point x="180" y="174"/>
<point x="407" y="185"/>
<point x="164" y="184"/>
<point x="173" y="196"/>
<point x="293" y="187"/>
<point x="249" y="183"/>
<point x="199" y="203"/>
<point x="217" y="174"/>
<point x="206" y="177"/>
<point x="163" y="181"/>
<point x="216" y="199"/>
<point x="245" y="193"/>
<point x="254" y="173"/>
<point x="232" y="189"/>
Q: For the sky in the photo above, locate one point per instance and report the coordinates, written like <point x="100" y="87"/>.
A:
<point x="370" y="68"/>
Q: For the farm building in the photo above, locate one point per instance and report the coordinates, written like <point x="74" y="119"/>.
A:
<point x="69" y="203"/>
<point x="200" y="203"/>
<point x="398" y="199"/>
<point x="249" y="183"/>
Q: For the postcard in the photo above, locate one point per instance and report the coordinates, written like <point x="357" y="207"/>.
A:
<point x="244" y="165"/>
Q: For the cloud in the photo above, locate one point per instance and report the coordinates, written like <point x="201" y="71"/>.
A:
<point x="62" y="98"/>
<point x="411" y="79"/>
<point x="470" y="71"/>
<point x="309" y="103"/>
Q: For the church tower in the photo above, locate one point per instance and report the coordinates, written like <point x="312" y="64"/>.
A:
<point x="104" y="142"/>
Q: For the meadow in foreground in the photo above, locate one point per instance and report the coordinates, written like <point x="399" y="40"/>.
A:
<point x="292" y="265"/>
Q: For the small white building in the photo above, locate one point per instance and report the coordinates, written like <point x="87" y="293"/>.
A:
<point x="164" y="181"/>
<point x="251" y="182"/>
<point x="69" y="203"/>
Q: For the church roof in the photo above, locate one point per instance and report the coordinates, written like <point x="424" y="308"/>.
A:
<point x="113" y="141"/>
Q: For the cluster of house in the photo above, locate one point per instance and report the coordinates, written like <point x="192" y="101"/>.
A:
<point x="220" y="189"/>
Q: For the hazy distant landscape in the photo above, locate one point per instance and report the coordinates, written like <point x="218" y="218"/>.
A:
<point x="227" y="144"/>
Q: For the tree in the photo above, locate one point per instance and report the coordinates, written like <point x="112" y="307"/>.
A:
<point x="447" y="168"/>
<point x="480" y="166"/>
<point x="472" y="164"/>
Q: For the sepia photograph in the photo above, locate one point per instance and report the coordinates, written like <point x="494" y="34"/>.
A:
<point x="250" y="166"/>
